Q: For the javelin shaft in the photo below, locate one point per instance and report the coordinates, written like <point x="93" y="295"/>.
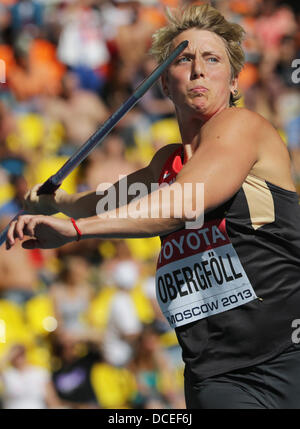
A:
<point x="54" y="182"/>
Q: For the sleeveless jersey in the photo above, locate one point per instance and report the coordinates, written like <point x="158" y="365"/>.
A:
<point x="231" y="288"/>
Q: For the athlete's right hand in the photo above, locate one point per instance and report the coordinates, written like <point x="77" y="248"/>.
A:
<point x="43" y="204"/>
<point x="45" y="232"/>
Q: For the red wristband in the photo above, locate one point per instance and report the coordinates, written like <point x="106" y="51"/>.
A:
<point x="79" y="233"/>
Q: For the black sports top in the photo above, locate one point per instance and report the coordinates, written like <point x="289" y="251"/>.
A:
<point x="256" y="241"/>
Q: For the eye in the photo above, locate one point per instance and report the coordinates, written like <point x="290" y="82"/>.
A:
<point x="182" y="60"/>
<point x="213" y="59"/>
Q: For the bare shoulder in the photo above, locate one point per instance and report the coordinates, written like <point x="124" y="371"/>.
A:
<point x="258" y="137"/>
<point x="236" y="127"/>
<point x="240" y="113"/>
<point x="237" y="120"/>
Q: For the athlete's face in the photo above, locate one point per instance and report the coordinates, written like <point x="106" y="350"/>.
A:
<point x="199" y="81"/>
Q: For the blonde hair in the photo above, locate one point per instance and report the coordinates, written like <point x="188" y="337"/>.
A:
<point x="203" y="17"/>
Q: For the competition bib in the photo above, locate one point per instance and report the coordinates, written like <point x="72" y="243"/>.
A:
<point x="199" y="274"/>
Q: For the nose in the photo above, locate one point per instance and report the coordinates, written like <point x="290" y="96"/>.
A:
<point x="197" y="69"/>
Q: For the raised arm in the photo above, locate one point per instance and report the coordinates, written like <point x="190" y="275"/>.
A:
<point x="229" y="146"/>
<point x="83" y="204"/>
<point x="228" y="149"/>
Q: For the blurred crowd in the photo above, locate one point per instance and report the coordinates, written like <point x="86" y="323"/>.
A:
<point x="80" y="326"/>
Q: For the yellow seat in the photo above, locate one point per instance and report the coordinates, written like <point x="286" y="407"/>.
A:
<point x="168" y="339"/>
<point x="142" y="305"/>
<point x="39" y="356"/>
<point x="31" y="130"/>
<point x="113" y="387"/>
<point x="99" y="308"/>
<point x="39" y="314"/>
<point x="143" y="249"/>
<point x="6" y="193"/>
<point x="50" y="166"/>
<point x="166" y="130"/>
<point x="15" y="328"/>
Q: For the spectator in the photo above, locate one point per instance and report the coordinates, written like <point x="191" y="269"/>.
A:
<point x="7" y="126"/>
<point x="25" y="386"/>
<point x="26" y="13"/>
<point x="154" y="374"/>
<point x="113" y="163"/>
<point x="12" y="207"/>
<point x="288" y="51"/>
<point x="83" y="28"/>
<point x="71" y="296"/>
<point x="36" y="70"/>
<point x="72" y="371"/>
<point x="154" y="104"/>
<point x="123" y="325"/>
<point x="17" y="285"/>
<point x="274" y="22"/>
<point x="80" y="111"/>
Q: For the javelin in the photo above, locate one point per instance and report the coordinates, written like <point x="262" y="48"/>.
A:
<point x="55" y="181"/>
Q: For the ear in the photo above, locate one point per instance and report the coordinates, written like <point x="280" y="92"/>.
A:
<point x="234" y="85"/>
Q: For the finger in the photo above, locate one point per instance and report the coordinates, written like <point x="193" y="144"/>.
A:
<point x="10" y="234"/>
<point x="31" y="195"/>
<point x="31" y="225"/>
<point x="27" y="204"/>
<point x="20" y="227"/>
<point x="33" y="222"/>
<point x="16" y="229"/>
<point x="34" y="191"/>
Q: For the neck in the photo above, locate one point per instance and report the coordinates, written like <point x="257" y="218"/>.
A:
<point x="71" y="283"/>
<point x="190" y="128"/>
<point x="190" y="131"/>
<point x="21" y="366"/>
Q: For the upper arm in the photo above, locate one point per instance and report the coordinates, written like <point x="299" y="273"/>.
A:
<point x="139" y="183"/>
<point x="134" y="185"/>
<point x="227" y="151"/>
<point x="150" y="174"/>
